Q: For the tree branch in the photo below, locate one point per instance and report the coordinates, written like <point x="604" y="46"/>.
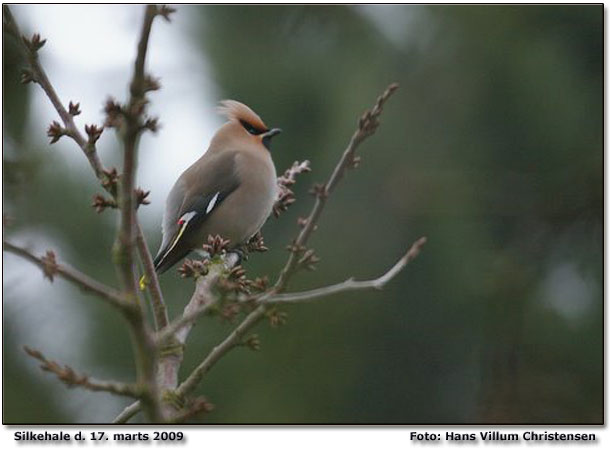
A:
<point x="131" y="133"/>
<point x="367" y="125"/>
<point x="203" y="297"/>
<point x="128" y="413"/>
<point x="233" y="340"/>
<point x="137" y="86"/>
<point x="186" y="321"/>
<point x="196" y="407"/>
<point x="351" y="284"/>
<point x="50" y="267"/>
<point x="288" y="298"/>
<point x="39" y="76"/>
<point x="174" y="337"/>
<point x="144" y="347"/>
<point x="285" y="181"/>
<point x="73" y="379"/>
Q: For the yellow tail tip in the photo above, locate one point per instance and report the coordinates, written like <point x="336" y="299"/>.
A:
<point x="143" y="282"/>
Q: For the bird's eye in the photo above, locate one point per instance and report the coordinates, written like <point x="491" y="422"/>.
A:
<point x="250" y="128"/>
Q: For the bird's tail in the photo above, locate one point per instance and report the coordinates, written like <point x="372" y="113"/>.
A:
<point x="166" y="259"/>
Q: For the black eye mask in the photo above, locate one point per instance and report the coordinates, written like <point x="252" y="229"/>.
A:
<point x="250" y="128"/>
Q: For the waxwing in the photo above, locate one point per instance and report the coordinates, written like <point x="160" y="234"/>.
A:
<point x="229" y="191"/>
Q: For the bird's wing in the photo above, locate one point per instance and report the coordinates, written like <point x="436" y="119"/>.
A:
<point x="188" y="208"/>
<point x="174" y="202"/>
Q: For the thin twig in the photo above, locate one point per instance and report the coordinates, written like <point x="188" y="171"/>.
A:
<point x="39" y="75"/>
<point x="158" y="304"/>
<point x="128" y="413"/>
<point x="50" y="267"/>
<point x="285" y="181"/>
<point x="350" y="284"/>
<point x="133" y="129"/>
<point x="305" y="296"/>
<point x="138" y="83"/>
<point x="71" y="378"/>
<point x="233" y="340"/>
<point x="367" y="125"/>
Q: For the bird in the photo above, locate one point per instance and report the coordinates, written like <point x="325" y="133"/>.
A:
<point x="229" y="191"/>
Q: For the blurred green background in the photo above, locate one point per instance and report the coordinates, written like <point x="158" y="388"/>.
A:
<point x="492" y="148"/>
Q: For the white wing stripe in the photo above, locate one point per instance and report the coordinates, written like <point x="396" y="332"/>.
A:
<point x="212" y="203"/>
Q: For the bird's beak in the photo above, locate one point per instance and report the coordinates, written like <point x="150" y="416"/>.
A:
<point x="270" y="134"/>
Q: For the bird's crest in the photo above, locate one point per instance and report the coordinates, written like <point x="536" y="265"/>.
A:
<point x="234" y="110"/>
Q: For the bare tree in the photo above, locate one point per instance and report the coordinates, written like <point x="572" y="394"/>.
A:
<point x="159" y="347"/>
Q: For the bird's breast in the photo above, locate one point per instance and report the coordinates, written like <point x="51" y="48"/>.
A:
<point x="261" y="190"/>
